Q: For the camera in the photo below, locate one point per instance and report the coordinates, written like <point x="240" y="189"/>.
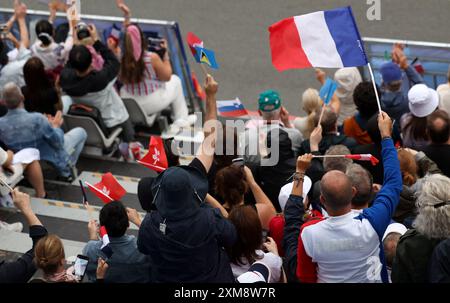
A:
<point x="155" y="46"/>
<point x="82" y="31"/>
<point x="3" y="31"/>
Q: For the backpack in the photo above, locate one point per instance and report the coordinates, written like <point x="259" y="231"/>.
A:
<point x="91" y="112"/>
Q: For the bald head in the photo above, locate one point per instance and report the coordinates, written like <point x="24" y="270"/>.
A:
<point x="438" y="127"/>
<point x="336" y="190"/>
<point x="12" y="95"/>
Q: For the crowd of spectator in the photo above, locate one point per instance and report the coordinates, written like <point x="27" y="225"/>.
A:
<point x="305" y="219"/>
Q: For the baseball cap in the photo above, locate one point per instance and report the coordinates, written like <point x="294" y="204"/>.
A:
<point x="286" y="191"/>
<point x="390" y="72"/>
<point x="269" y="101"/>
<point x="395" y="228"/>
<point x="423" y="101"/>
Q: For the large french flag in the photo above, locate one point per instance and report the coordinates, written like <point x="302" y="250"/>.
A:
<point x="328" y="39"/>
<point x="232" y="108"/>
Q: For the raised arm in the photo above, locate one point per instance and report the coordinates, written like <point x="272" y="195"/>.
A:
<point x="380" y="214"/>
<point x="21" y="13"/>
<point x="22" y="202"/>
<point x="293" y="214"/>
<point x="399" y="57"/>
<point x="112" y="65"/>
<point x="258" y="193"/>
<point x="126" y="12"/>
<point x="206" y="151"/>
<point x="23" y="269"/>
<point x="215" y="204"/>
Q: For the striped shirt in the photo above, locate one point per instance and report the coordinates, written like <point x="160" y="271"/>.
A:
<point x="149" y="84"/>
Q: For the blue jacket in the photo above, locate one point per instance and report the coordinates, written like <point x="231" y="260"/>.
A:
<point x="395" y="104"/>
<point x="20" y="129"/>
<point x="126" y="265"/>
<point x="383" y="208"/>
<point x="191" y="251"/>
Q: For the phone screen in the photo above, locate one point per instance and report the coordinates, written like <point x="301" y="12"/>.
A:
<point x="80" y="266"/>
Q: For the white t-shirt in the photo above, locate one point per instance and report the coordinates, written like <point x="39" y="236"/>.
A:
<point x="13" y="71"/>
<point x="53" y="55"/>
<point x="345" y="249"/>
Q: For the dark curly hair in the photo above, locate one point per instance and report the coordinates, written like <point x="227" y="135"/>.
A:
<point x="365" y="99"/>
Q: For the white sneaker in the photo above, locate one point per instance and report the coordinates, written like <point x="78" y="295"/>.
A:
<point x="15" y="227"/>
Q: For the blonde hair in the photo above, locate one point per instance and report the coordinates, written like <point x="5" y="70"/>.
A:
<point x="433" y="220"/>
<point x="312" y="106"/>
<point x="49" y="252"/>
<point x="311" y="100"/>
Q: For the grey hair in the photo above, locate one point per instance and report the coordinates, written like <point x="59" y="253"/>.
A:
<point x="433" y="220"/>
<point x="339" y="164"/>
<point x="271" y="116"/>
<point x="363" y="182"/>
<point x="12" y="95"/>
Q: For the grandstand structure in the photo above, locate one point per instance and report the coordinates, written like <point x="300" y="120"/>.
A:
<point x="64" y="212"/>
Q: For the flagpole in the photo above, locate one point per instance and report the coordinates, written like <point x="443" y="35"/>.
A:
<point x="321" y="114"/>
<point x="204" y="70"/>
<point x="330" y="156"/>
<point x="374" y="86"/>
<point x="7" y="185"/>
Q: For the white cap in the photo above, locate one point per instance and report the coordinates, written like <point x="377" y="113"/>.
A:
<point x="286" y="191"/>
<point x="395" y="228"/>
<point x="423" y="100"/>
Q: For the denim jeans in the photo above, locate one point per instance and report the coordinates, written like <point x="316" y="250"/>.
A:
<point x="73" y="144"/>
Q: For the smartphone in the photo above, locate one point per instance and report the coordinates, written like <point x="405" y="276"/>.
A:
<point x="265" y="234"/>
<point x="3" y="30"/>
<point x="238" y="162"/>
<point x="80" y="266"/>
<point x="107" y="251"/>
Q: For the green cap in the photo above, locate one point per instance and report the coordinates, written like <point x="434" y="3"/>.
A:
<point x="269" y="101"/>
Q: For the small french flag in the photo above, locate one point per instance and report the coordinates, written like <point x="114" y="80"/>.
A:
<point x="232" y="108"/>
<point x="328" y="39"/>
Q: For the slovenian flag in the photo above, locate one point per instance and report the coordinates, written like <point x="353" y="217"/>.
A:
<point x="233" y="108"/>
<point x="328" y="39"/>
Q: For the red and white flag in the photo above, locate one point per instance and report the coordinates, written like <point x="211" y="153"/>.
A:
<point x="108" y="189"/>
<point x="193" y="42"/>
<point x="364" y="157"/>
<point x="104" y="236"/>
<point x="156" y="158"/>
